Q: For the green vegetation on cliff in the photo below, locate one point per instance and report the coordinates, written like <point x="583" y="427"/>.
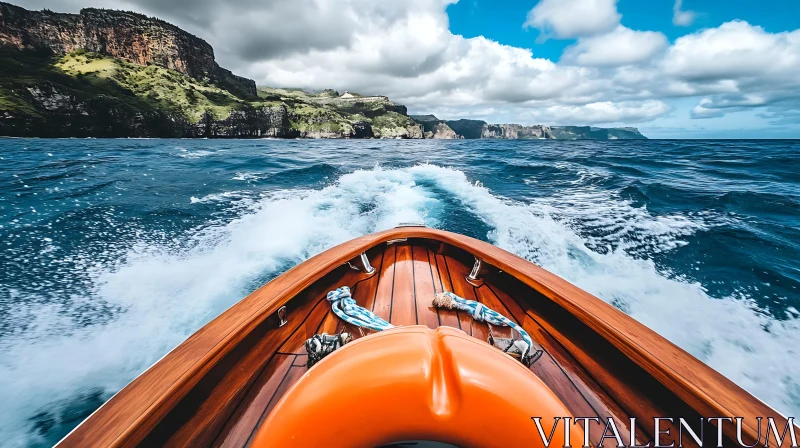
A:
<point x="594" y="133"/>
<point x="85" y="94"/>
<point x="162" y="88"/>
<point x="38" y="99"/>
<point x="474" y="129"/>
<point x="329" y="114"/>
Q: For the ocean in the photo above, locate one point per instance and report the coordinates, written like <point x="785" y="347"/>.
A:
<point x="114" y="251"/>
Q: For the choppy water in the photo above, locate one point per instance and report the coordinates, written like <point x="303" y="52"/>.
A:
<point x="114" y="251"/>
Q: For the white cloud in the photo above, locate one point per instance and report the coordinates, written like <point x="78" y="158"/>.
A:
<point x="735" y="50"/>
<point x="681" y="17"/>
<point x="606" y="112"/>
<point x="741" y="65"/>
<point x="574" y="18"/>
<point x="623" y="46"/>
<point x="702" y="111"/>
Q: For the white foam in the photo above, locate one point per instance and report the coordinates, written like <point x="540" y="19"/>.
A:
<point x="163" y="293"/>
<point x="247" y="177"/>
<point x="194" y="153"/>
<point x="621" y="225"/>
<point x="220" y="197"/>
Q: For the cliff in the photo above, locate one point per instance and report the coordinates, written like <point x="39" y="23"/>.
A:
<point x="331" y="115"/>
<point x="119" y="74"/>
<point x="474" y="129"/>
<point x="124" y="35"/>
<point x="479" y="129"/>
<point x="435" y="128"/>
<point x="594" y="133"/>
<point x="516" y="131"/>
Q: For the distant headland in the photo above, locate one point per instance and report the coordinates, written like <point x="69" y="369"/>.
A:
<point x="103" y="73"/>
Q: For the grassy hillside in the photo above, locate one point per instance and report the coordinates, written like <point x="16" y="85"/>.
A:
<point x="85" y="94"/>
<point x="36" y="97"/>
<point x="326" y="113"/>
<point x="593" y="133"/>
<point x="162" y="88"/>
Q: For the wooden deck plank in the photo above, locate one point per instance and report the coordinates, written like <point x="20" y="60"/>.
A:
<point x="364" y="293"/>
<point x="294" y="343"/>
<point x="355" y="331"/>
<point x="404" y="308"/>
<point x="383" y="297"/>
<point x="239" y="427"/>
<point x="446" y="317"/>
<point x="330" y="324"/>
<point x="556" y="376"/>
<point x="205" y="412"/>
<point x="359" y="286"/>
<point x="423" y="287"/>
<point x="431" y="261"/>
<point x="294" y="374"/>
<point x="487" y="297"/>
<point x="635" y="402"/>
<point x="464" y="321"/>
<point x="369" y="287"/>
<point x="461" y="288"/>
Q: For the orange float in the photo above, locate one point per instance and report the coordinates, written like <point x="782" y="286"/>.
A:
<point x="413" y="383"/>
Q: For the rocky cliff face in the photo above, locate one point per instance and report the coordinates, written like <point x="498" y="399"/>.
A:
<point x="124" y="35"/>
<point x="435" y="128"/>
<point x="474" y="129"/>
<point x="594" y="133"/>
<point x="515" y="131"/>
<point x="441" y="131"/>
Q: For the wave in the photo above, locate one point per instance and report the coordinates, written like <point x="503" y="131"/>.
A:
<point x="220" y="197"/>
<point x="195" y="153"/>
<point x="157" y="293"/>
<point x="310" y="175"/>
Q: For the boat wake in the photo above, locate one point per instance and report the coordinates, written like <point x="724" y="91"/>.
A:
<point x="65" y="361"/>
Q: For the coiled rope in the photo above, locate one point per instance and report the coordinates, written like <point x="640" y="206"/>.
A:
<point x="348" y="310"/>
<point x="481" y="312"/>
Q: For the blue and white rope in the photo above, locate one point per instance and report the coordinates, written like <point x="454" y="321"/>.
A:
<point x="348" y="310"/>
<point x="483" y="313"/>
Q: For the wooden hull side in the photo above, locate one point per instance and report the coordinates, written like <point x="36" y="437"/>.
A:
<point x="217" y="387"/>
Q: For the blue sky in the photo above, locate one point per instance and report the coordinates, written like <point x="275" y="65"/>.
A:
<point x="672" y="68"/>
<point x="502" y="20"/>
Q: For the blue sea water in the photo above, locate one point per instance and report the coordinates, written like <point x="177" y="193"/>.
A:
<point x="114" y="251"/>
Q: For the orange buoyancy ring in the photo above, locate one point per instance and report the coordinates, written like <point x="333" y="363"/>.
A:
<point x="413" y="383"/>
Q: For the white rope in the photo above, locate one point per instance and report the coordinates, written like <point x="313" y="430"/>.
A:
<point x="481" y="312"/>
<point x="348" y="310"/>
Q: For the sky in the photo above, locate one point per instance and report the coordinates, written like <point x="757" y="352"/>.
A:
<point x="672" y="68"/>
